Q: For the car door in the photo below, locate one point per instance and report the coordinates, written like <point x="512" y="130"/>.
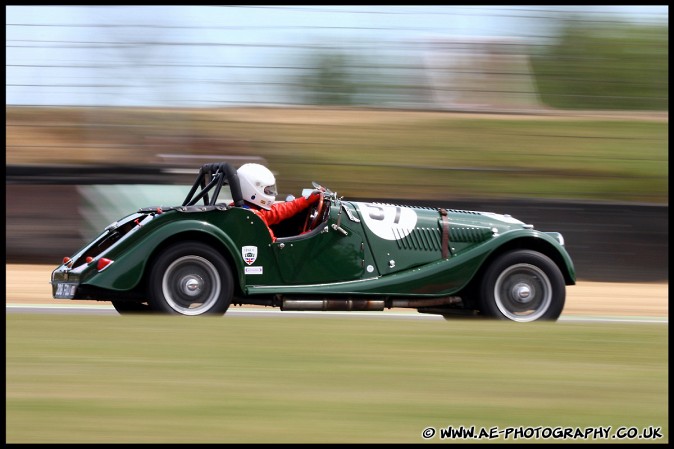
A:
<point x="326" y="254"/>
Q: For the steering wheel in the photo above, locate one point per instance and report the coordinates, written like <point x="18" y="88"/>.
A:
<point x="315" y="214"/>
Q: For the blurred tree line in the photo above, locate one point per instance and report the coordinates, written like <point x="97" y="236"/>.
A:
<point x="610" y="65"/>
<point x="605" y="66"/>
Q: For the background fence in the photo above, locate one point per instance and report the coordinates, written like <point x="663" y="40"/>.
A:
<point x="428" y="57"/>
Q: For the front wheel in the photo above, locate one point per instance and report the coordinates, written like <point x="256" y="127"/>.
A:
<point x="523" y="286"/>
<point x="190" y="278"/>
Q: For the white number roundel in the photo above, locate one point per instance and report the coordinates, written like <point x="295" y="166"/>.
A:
<point x="387" y="221"/>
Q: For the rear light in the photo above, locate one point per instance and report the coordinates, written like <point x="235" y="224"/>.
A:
<point x="89" y="259"/>
<point x="66" y="260"/>
<point x="103" y="263"/>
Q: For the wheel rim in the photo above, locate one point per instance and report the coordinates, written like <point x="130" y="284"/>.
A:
<point x="191" y="285"/>
<point x="523" y="292"/>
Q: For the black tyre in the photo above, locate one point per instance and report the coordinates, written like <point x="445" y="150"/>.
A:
<point x="190" y="278"/>
<point x="522" y="286"/>
<point x="130" y="307"/>
<point x="459" y="314"/>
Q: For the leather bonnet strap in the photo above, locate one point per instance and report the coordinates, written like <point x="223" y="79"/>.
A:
<point x="445" y="233"/>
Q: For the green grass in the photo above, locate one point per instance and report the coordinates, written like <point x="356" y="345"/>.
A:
<point x="387" y="154"/>
<point x="112" y="379"/>
<point x="461" y="157"/>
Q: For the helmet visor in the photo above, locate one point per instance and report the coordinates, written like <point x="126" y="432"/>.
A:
<point x="270" y="190"/>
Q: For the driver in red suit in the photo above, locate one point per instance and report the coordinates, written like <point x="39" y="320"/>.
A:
<point x="258" y="188"/>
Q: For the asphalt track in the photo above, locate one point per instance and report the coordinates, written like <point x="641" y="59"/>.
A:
<point x="74" y="309"/>
<point x="28" y="291"/>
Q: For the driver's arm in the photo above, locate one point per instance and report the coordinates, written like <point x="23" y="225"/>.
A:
<point x="284" y="210"/>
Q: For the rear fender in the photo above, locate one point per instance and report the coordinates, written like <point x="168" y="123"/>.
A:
<point x="129" y="268"/>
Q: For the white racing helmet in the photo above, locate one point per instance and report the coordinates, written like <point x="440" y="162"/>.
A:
<point x="258" y="185"/>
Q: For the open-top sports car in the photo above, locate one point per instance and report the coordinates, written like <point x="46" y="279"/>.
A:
<point x="205" y="255"/>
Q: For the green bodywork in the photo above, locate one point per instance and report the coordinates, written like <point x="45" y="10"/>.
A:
<point x="360" y="249"/>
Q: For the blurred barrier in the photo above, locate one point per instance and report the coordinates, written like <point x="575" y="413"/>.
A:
<point x="608" y="242"/>
<point x="84" y="174"/>
<point x="105" y="204"/>
<point x="181" y="168"/>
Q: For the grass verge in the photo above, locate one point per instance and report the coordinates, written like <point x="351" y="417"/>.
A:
<point x="112" y="379"/>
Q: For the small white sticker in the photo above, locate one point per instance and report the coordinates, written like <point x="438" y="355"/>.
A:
<point x="253" y="270"/>
<point x="249" y="254"/>
<point x="370" y="268"/>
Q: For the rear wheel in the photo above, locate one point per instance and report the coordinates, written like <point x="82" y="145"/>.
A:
<point x="523" y="286"/>
<point x="190" y="278"/>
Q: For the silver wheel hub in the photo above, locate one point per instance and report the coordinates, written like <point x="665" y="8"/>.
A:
<point x="522" y="293"/>
<point x="191" y="285"/>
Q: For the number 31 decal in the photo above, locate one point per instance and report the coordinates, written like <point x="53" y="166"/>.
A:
<point x="387" y="221"/>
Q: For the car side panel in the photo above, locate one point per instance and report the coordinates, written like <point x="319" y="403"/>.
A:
<point x="400" y="237"/>
<point x="438" y="278"/>
<point x="325" y="255"/>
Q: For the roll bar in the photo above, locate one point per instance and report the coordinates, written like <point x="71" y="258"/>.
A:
<point x="212" y="177"/>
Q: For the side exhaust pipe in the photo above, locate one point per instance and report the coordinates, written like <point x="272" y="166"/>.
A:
<point x="415" y="303"/>
<point x="363" y="304"/>
<point x="331" y="304"/>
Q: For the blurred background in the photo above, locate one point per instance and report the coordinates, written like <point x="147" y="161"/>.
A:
<point x="557" y="115"/>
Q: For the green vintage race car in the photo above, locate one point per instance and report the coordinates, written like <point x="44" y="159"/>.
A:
<point x="205" y="255"/>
